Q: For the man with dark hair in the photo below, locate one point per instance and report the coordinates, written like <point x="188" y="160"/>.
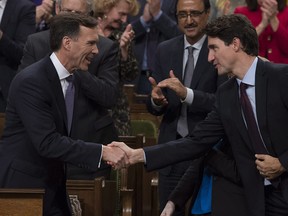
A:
<point x="189" y="92"/>
<point x="98" y="92"/>
<point x="251" y="110"/>
<point x="35" y="145"/>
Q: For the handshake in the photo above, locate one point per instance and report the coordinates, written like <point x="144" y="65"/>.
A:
<point x="119" y="155"/>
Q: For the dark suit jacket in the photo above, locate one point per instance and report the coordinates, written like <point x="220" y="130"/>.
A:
<point x="97" y="93"/>
<point x="226" y="119"/>
<point x="227" y="192"/>
<point x="162" y="29"/>
<point x="169" y="56"/>
<point x="35" y="145"/>
<point x="17" y="23"/>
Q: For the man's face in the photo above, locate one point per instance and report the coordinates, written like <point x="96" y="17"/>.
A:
<point x="83" y="49"/>
<point x="77" y="6"/>
<point x="118" y="14"/>
<point x="192" y="18"/>
<point x="221" y="55"/>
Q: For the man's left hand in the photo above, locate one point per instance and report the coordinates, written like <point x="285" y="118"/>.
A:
<point x="269" y="167"/>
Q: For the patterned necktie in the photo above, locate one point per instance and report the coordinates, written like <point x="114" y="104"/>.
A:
<point x="182" y="124"/>
<point x="252" y="127"/>
<point x="69" y="101"/>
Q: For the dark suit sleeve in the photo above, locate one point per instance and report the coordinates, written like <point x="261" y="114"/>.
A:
<point x="223" y="165"/>
<point x="164" y="24"/>
<point x="100" y="84"/>
<point x="37" y="111"/>
<point x="11" y="46"/>
<point x="167" y="26"/>
<point x="205" y="135"/>
<point x="29" y="56"/>
<point x="158" y="75"/>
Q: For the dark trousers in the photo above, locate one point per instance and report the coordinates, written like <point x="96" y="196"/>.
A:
<point x="275" y="204"/>
<point x="166" y="186"/>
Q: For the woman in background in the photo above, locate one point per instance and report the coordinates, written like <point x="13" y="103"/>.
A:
<point x="112" y="17"/>
<point x="270" y="18"/>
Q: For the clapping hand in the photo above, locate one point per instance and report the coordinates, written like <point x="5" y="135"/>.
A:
<point x="175" y="85"/>
<point x="157" y="95"/>
<point x="125" y="41"/>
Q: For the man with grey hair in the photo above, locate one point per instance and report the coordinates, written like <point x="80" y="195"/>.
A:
<point x="98" y="92"/>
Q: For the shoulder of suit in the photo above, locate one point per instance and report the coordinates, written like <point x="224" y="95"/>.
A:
<point x="173" y="41"/>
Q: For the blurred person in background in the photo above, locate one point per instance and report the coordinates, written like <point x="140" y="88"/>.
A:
<point x="270" y="18"/>
<point x="112" y="19"/>
<point x="224" y="7"/>
<point x="155" y="23"/>
<point x="44" y="12"/>
<point x="17" y="22"/>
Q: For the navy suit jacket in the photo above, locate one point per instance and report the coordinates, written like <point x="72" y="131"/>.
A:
<point x="169" y="56"/>
<point x="226" y="119"/>
<point x="35" y="146"/>
<point x="97" y="93"/>
<point x="98" y="90"/>
<point x="18" y="21"/>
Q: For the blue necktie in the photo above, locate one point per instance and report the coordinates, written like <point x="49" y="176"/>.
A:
<point x="182" y="124"/>
<point x="69" y="101"/>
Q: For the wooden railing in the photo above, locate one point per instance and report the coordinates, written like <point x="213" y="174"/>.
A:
<point x="18" y="202"/>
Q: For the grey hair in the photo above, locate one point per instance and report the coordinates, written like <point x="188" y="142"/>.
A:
<point x="89" y="4"/>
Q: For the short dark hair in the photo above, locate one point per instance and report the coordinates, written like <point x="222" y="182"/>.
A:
<point x="68" y="24"/>
<point x="227" y="27"/>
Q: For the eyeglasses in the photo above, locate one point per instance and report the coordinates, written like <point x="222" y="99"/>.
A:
<point x="184" y="15"/>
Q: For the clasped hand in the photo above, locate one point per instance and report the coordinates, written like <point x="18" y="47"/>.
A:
<point x="119" y="155"/>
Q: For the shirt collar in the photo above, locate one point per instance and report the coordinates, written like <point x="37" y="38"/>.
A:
<point x="198" y="45"/>
<point x="3" y="3"/>
<point x="249" y="77"/>
<point x="61" y="70"/>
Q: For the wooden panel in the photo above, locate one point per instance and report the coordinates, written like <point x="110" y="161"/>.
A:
<point x="19" y="202"/>
<point x="97" y="197"/>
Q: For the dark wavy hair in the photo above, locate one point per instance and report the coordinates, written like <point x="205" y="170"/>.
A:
<point x="228" y="27"/>
<point x="68" y="24"/>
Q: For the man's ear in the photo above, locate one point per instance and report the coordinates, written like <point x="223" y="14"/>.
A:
<point x="236" y="44"/>
<point x="66" y="42"/>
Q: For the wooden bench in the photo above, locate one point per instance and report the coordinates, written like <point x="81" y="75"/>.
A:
<point x="97" y="197"/>
<point x="18" y="202"/>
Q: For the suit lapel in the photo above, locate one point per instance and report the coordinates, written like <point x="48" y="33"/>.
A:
<point x="57" y="89"/>
<point x="7" y="13"/>
<point x="177" y="58"/>
<point x="261" y="82"/>
<point x="201" y="65"/>
<point x="236" y="113"/>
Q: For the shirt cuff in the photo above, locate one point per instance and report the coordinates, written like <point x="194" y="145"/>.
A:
<point x="99" y="164"/>
<point x="155" y="18"/>
<point x="189" y="98"/>
<point x="155" y="106"/>
<point x="144" y="157"/>
<point x="144" y="24"/>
